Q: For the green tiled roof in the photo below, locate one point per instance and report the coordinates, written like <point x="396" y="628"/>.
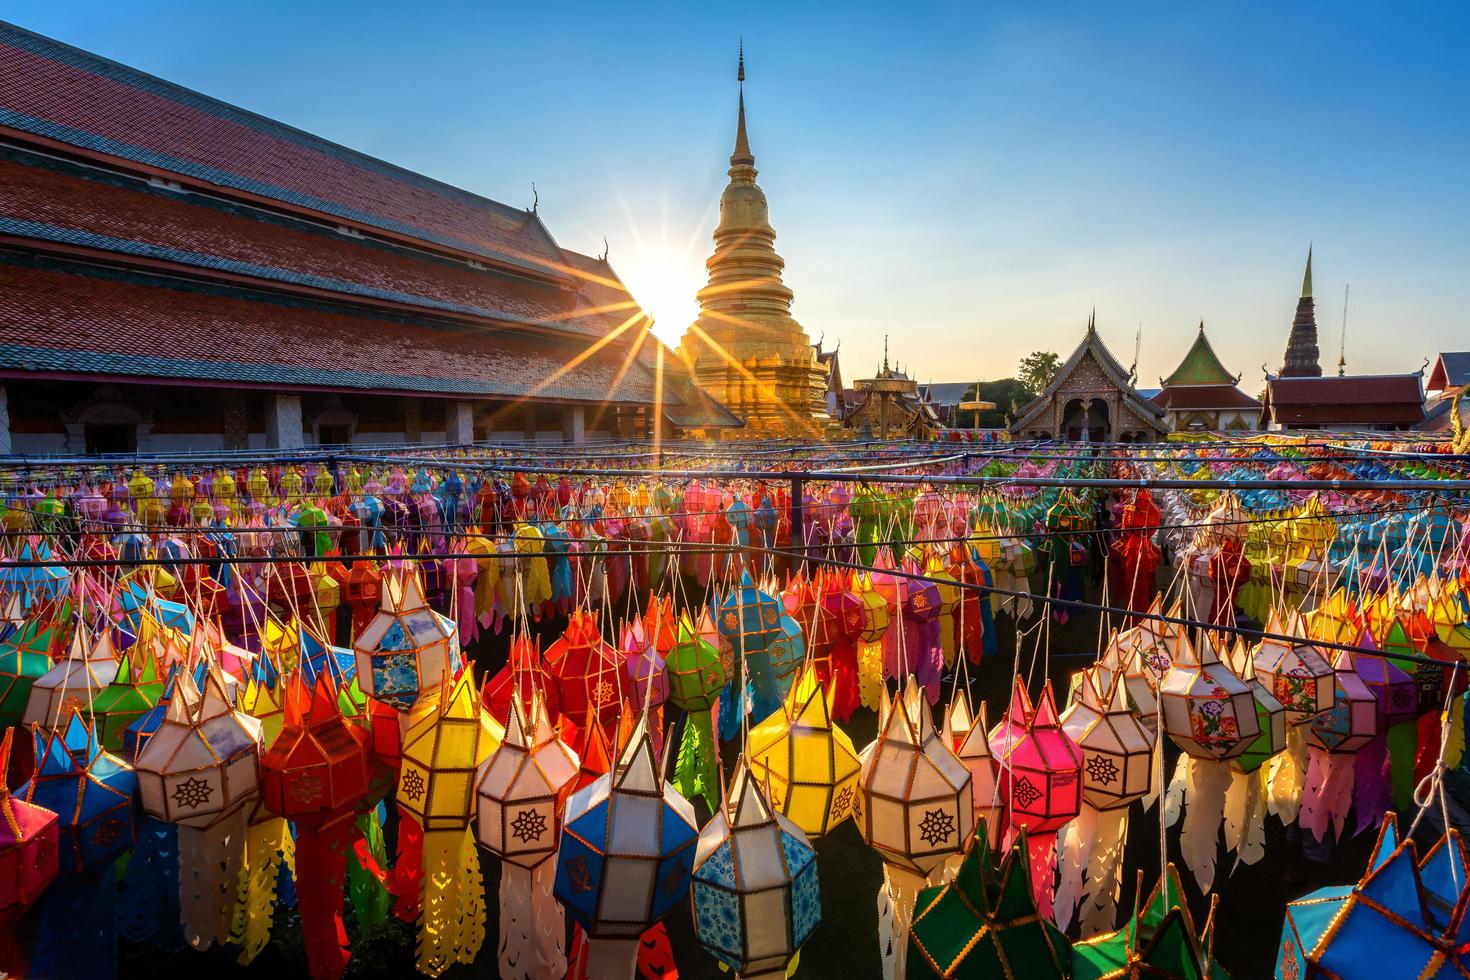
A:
<point x="1200" y="366"/>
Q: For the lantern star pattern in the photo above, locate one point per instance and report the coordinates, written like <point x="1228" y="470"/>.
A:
<point x="623" y="862"/>
<point x="915" y="809"/>
<point x="1117" y="752"/>
<point x="199" y="769"/>
<point x="984" y="923"/>
<point x="755" y="894"/>
<point x="522" y="789"/>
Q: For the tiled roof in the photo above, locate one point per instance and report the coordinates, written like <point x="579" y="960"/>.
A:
<point x="68" y="320"/>
<point x="1451" y="370"/>
<point x="60" y="93"/>
<point x="54" y="203"/>
<point x="1193" y="397"/>
<point x="1149" y="412"/>
<point x="946" y="392"/>
<point x="1387" y="399"/>
<point x="1201" y="366"/>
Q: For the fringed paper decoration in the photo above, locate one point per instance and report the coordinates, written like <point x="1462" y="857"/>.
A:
<point x="1245" y="800"/>
<point x="696" y="676"/>
<point x="754" y="893"/>
<point x="916" y="809"/>
<point x="93" y="795"/>
<point x="806" y="761"/>
<point x="1406" y="915"/>
<point x="269" y="854"/>
<point x="1333" y="739"/>
<point x="522" y="789"/>
<point x="530" y="546"/>
<point x="29" y="835"/>
<point x="316" y="774"/>
<point x="837" y="629"/>
<point x="1117" y="752"/>
<point x="441" y="751"/>
<point x="985" y="922"/>
<point x="148" y="904"/>
<point x="624" y="858"/>
<point x="201" y="770"/>
<point x="870" y="642"/>
<point x="1040" y="770"/>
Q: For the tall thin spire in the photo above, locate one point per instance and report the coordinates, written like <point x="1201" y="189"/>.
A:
<point x="1302" y="354"/>
<point x="885" y="353"/>
<point x="1307" y="276"/>
<point x="742" y="155"/>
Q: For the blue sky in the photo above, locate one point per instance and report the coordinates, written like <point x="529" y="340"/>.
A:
<point x="969" y="178"/>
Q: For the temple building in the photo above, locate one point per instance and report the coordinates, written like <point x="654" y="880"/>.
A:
<point x="1302" y="356"/>
<point x="1091" y="398"/>
<point x="1448" y="379"/>
<point x="745" y="348"/>
<point x="1202" y="396"/>
<point x="889" y="406"/>
<point x="180" y="274"/>
<point x="1356" y="403"/>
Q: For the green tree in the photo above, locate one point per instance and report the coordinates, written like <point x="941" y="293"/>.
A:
<point x="1038" y="368"/>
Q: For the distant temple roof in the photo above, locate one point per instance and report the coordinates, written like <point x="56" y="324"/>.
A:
<point x="1201" y="366"/>
<point x="1149" y="412"/>
<point x="1191" y="398"/>
<point x="1366" y="400"/>
<point x="945" y="392"/>
<point x="1451" y="370"/>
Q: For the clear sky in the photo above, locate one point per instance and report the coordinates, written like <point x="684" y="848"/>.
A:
<point x="970" y="178"/>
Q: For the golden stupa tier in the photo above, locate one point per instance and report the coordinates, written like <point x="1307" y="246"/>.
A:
<point x="745" y="348"/>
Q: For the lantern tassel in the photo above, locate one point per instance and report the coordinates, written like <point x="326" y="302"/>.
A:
<point x="1245" y="816"/>
<point x="870" y="674"/>
<point x="548" y="925"/>
<point x="896" y="898"/>
<point x="1206" y="783"/>
<point x="1041" y="852"/>
<point x="149" y="902"/>
<point x="210" y="859"/>
<point x="517" y="923"/>
<point x="321" y="861"/>
<point x="1372" y="793"/>
<point x="695" y="772"/>
<point x="1074" y="854"/>
<point x="1102" y="880"/>
<point x="268" y="846"/>
<point x="1287" y="777"/>
<point x="369" y="897"/>
<point x="1328" y="793"/>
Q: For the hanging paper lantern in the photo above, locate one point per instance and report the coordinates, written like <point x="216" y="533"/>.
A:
<point x="1296" y="674"/>
<point x="985" y="923"/>
<point x="25" y="657"/>
<point x="968" y="733"/>
<point x="315" y="774"/>
<point x="586" y="673"/>
<point x="132" y="694"/>
<point x="90" y="791"/>
<point x="623" y="863"/>
<point x="408" y="649"/>
<point x="1159" y="941"/>
<point x="522" y="789"/>
<point x="447" y="740"/>
<point x="750" y="621"/>
<point x="1117" y="770"/>
<point x="28" y="858"/>
<point x="915" y="809"/>
<point x="754" y="893"/>
<point x="1406" y="915"/>
<point x="807" y="761"/>
<point x="1207" y="710"/>
<point x="696" y="675"/>
<point x="1040" y="771"/>
<point x="199" y="770"/>
<point x="76" y="680"/>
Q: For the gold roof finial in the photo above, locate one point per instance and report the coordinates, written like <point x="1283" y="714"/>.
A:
<point x="742" y="155"/>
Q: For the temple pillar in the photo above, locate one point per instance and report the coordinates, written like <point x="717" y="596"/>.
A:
<point x="461" y="423"/>
<point x="574" y="424"/>
<point x="283" y="428"/>
<point x="6" y="447"/>
<point x="413" y="420"/>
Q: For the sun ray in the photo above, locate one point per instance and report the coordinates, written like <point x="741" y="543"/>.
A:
<point x="570" y="365"/>
<point x="766" y="390"/>
<point x="633" y="350"/>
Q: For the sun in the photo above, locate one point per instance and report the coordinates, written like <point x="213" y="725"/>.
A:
<point x="664" y="282"/>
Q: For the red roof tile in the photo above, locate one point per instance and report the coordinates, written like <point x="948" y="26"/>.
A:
<point x="226" y="337"/>
<point x="1387" y="399"/>
<point x="187" y="224"/>
<point x="60" y="93"/>
<point x="1194" y="397"/>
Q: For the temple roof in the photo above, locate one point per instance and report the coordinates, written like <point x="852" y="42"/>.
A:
<point x="99" y="109"/>
<point x="1451" y="370"/>
<point x="1115" y="372"/>
<point x="1381" y="399"/>
<point x="1201" y="366"/>
<point x="1202" y="397"/>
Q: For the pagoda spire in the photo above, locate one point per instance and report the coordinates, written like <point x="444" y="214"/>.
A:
<point x="742" y="157"/>
<point x="1302" y="353"/>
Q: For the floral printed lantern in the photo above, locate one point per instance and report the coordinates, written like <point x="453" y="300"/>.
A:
<point x="807" y="762"/>
<point x="755" y="893"/>
<point x="1296" y="674"/>
<point x="626" y="849"/>
<point x="1207" y="710"/>
<point x="408" y="649"/>
<point x="1158" y="644"/>
<point x="199" y="770"/>
<point x="522" y="788"/>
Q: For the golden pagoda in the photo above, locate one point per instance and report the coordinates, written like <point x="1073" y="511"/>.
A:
<point x="745" y="349"/>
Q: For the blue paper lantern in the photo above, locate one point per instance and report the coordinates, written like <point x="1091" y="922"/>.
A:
<point x="90" y="791"/>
